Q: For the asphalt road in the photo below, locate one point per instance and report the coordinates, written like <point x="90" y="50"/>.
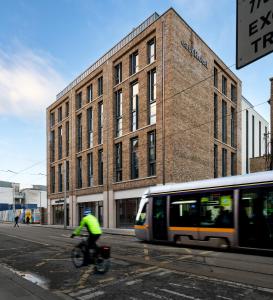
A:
<point x="138" y="270"/>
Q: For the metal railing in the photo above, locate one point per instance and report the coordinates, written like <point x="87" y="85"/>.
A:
<point x="110" y="53"/>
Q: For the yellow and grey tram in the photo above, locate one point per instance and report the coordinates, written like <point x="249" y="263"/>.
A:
<point x="234" y="211"/>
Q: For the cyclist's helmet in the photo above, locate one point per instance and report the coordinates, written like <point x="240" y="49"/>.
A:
<point x="87" y="212"/>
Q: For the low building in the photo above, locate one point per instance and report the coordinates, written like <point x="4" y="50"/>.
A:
<point x="153" y="110"/>
<point x="36" y="195"/>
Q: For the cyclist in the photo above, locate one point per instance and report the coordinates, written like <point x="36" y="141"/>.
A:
<point x="93" y="227"/>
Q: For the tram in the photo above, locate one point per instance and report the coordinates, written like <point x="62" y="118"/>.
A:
<point x="235" y="211"/>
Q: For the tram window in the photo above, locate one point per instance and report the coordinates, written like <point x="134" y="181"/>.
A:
<point x="256" y="218"/>
<point x="184" y="210"/>
<point x="216" y="210"/>
<point x="141" y="218"/>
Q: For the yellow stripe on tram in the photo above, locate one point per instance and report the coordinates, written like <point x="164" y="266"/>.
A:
<point x="141" y="226"/>
<point x="202" y="229"/>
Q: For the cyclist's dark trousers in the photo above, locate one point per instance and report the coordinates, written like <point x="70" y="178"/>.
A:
<point x="92" y="241"/>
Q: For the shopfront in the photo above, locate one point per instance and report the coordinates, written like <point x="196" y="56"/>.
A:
<point x="96" y="209"/>
<point x="58" y="212"/>
<point x="126" y="212"/>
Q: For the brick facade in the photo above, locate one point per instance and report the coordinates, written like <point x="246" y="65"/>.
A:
<point x="184" y="119"/>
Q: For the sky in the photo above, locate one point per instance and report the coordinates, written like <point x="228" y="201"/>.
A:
<point x="44" y="45"/>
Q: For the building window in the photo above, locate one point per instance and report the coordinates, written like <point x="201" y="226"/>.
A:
<point x="100" y="120"/>
<point x="60" y="114"/>
<point x="60" y="178"/>
<point x="133" y="63"/>
<point x="90" y="127"/>
<point x="232" y="127"/>
<point x="224" y="121"/>
<point x="152" y="96"/>
<point x="100" y="167"/>
<point x="90" y="169"/>
<point x="67" y="175"/>
<point x="118" y="111"/>
<point x="215" y="116"/>
<point x="66" y="109"/>
<point x="79" y="132"/>
<point x="233" y="93"/>
<point x="118" y="155"/>
<point x="118" y="73"/>
<point x="52" y="146"/>
<point x="215" y="161"/>
<point x="233" y="164"/>
<point x="79" y="172"/>
<point x="89" y="93"/>
<point x="151" y="51"/>
<point x="215" y="77"/>
<point x="52" y="179"/>
<point x="260" y="138"/>
<point x="79" y="100"/>
<point x="100" y="86"/>
<point x="224" y="85"/>
<point x="134" y="158"/>
<point x="67" y="138"/>
<point x="247" y="143"/>
<point x="224" y="162"/>
<point x="151" y="153"/>
<point x="60" y="142"/>
<point x="52" y="119"/>
<point x="134" y="106"/>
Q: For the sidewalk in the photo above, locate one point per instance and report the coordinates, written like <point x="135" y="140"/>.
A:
<point x="14" y="287"/>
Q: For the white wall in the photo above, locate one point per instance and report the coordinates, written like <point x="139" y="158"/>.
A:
<point x="257" y="118"/>
<point x="33" y="197"/>
<point x="6" y="195"/>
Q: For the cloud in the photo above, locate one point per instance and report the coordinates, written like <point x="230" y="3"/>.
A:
<point x="28" y="82"/>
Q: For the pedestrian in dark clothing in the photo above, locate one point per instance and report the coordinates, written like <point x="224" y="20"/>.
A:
<point x="16" y="221"/>
<point x="27" y="219"/>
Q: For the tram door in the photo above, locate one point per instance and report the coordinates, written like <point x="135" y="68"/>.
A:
<point x="159" y="218"/>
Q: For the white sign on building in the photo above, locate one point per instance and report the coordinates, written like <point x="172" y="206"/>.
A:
<point x="254" y="30"/>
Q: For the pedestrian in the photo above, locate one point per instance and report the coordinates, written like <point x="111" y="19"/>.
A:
<point x="16" y="221"/>
<point x="27" y="219"/>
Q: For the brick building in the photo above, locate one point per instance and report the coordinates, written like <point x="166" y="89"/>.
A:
<point x="159" y="107"/>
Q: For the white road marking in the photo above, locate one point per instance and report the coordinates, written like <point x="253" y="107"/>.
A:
<point x="222" y="297"/>
<point x="133" y="282"/>
<point x="179" y="294"/>
<point x="155" y="295"/>
<point x="28" y="240"/>
<point x="106" y="280"/>
<point x="204" y="252"/>
<point x="80" y="292"/>
<point x="91" y="296"/>
<point x="185" y="257"/>
<point x="164" y="273"/>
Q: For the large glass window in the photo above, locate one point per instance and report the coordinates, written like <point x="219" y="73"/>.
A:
<point x="232" y="127"/>
<point x="151" y="153"/>
<point x="224" y="162"/>
<point x="67" y="175"/>
<point x="67" y="109"/>
<point x="233" y="163"/>
<point x="52" y="145"/>
<point x="100" y="125"/>
<point x="79" y="172"/>
<point x="133" y="63"/>
<point x="60" y="114"/>
<point x="79" y="132"/>
<point x="67" y="138"/>
<point x="151" y="51"/>
<point x="118" y="73"/>
<point x="134" y="158"/>
<point x="118" y="155"/>
<point x="233" y="92"/>
<point x="100" y="86"/>
<point x="79" y="100"/>
<point x="90" y="169"/>
<point x="134" y="106"/>
<point x="52" y="179"/>
<point x="60" y="142"/>
<point x="224" y="121"/>
<point x="60" y="177"/>
<point x="224" y="85"/>
<point x="215" y="78"/>
<point x="100" y="166"/>
<point x="90" y="127"/>
<point x="215" y="161"/>
<point x="89" y="93"/>
<point x="118" y="111"/>
<point x="215" y="116"/>
<point x="126" y="212"/>
<point x="52" y="119"/>
<point x="256" y="218"/>
<point x="152" y="96"/>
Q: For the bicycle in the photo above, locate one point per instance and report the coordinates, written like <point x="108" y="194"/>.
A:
<point x="100" y="258"/>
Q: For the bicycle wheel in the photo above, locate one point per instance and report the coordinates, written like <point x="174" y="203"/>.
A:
<point x="77" y="256"/>
<point x="102" y="265"/>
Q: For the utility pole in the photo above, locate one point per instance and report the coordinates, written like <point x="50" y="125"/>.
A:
<point x="13" y="198"/>
<point x="65" y="216"/>
<point x="40" y="208"/>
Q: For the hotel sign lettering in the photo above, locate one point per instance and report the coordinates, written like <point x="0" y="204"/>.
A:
<point x="195" y="53"/>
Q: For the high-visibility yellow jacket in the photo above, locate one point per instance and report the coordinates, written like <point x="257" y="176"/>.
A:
<point x="91" y="223"/>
